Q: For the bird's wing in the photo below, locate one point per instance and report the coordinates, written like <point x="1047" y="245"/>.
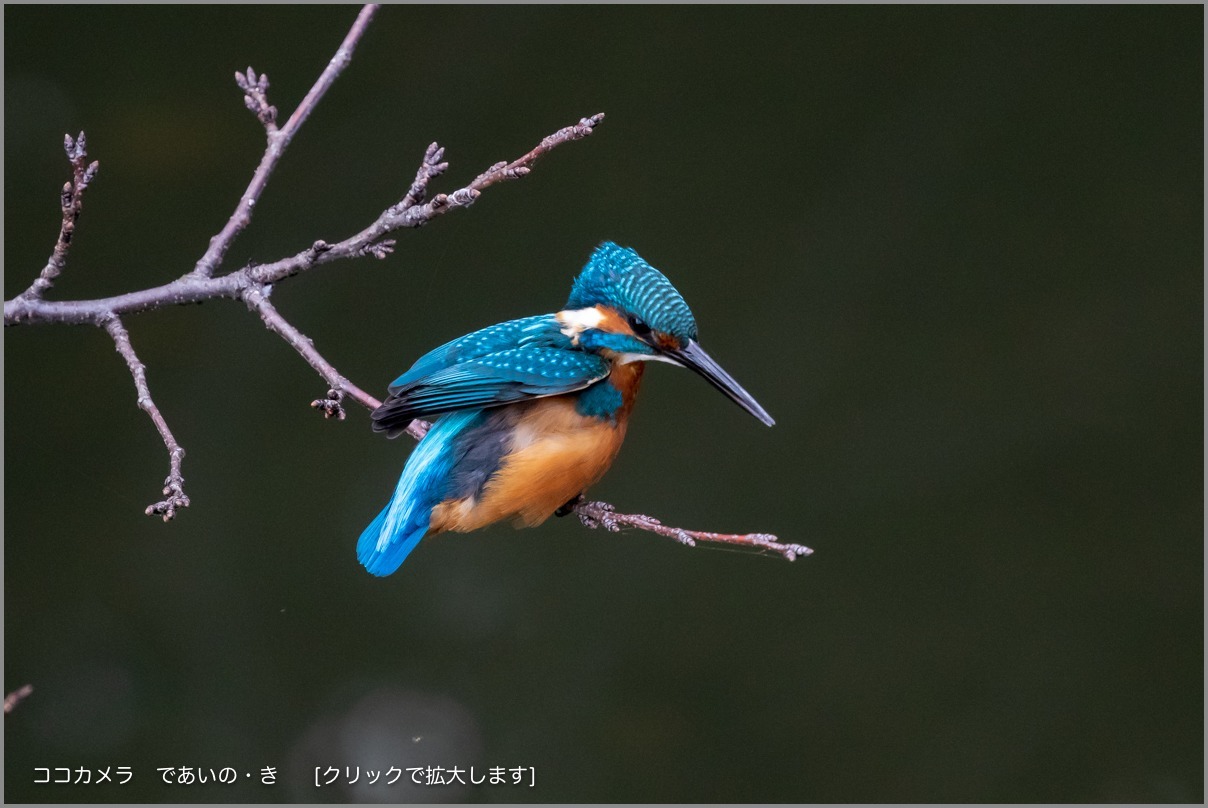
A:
<point x="542" y="331"/>
<point x="498" y="378"/>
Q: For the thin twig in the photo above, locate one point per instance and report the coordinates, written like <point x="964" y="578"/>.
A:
<point x="334" y="68"/>
<point x="409" y="213"/>
<point x="174" y="484"/>
<point x="433" y="165"/>
<point x="278" y="139"/>
<point x="604" y="515"/>
<point x="522" y="166"/>
<point x="16" y="697"/>
<point x="332" y="406"/>
<point x="71" y="200"/>
<point x="257" y="300"/>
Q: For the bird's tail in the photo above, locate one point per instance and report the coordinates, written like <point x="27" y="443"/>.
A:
<point x="391" y="537"/>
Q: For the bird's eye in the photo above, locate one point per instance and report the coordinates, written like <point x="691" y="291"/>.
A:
<point x="639" y="328"/>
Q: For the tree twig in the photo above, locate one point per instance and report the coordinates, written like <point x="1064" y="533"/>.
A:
<point x="174" y="492"/>
<point x="333" y="405"/>
<point x="16" y="697"/>
<point x="71" y="200"/>
<point x="521" y="167"/>
<point x="256" y="99"/>
<point x="257" y="300"/>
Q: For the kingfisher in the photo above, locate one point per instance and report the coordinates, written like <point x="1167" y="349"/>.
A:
<point x="530" y="413"/>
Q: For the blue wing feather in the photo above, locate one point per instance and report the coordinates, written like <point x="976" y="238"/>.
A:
<point x="490" y="381"/>
<point x="512" y="361"/>
<point x="542" y="330"/>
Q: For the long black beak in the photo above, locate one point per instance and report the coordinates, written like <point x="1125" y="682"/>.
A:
<point x="692" y="356"/>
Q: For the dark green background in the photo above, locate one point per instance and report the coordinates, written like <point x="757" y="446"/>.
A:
<point x="956" y="252"/>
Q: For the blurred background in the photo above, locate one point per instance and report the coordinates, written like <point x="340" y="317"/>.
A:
<point x="956" y="252"/>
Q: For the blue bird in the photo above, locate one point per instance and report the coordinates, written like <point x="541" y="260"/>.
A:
<point x="530" y="413"/>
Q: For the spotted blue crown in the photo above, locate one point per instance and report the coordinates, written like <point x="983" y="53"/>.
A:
<point x="618" y="277"/>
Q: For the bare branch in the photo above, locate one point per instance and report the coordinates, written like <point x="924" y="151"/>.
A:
<point x="410" y="213"/>
<point x="335" y="67"/>
<point x="256" y="100"/>
<point x="518" y="168"/>
<point x="71" y="200"/>
<point x="16" y="697"/>
<point x="603" y="515"/>
<point x="174" y="493"/>
<point x="417" y="215"/>
<point x="257" y="300"/>
<point x="369" y="242"/>
<point x="340" y="386"/>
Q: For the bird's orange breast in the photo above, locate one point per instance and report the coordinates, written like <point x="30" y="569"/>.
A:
<point x="554" y="455"/>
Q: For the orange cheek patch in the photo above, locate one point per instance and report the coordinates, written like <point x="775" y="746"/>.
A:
<point x="665" y="341"/>
<point x="613" y="322"/>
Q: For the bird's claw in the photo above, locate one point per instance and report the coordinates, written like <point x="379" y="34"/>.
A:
<point x="602" y="518"/>
<point x="796" y="551"/>
<point x="683" y="538"/>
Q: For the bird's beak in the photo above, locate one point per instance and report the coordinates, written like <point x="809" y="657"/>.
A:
<point x="692" y="356"/>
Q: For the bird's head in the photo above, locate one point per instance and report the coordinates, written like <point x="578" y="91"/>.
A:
<point x="627" y="311"/>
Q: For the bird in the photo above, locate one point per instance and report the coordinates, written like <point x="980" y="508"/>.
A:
<point x="530" y="413"/>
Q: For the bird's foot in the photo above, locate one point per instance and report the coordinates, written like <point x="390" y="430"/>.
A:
<point x="598" y="515"/>
<point x="331" y="407"/>
<point x="683" y="537"/>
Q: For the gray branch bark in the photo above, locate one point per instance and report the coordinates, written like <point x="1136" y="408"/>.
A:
<point x="174" y="491"/>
